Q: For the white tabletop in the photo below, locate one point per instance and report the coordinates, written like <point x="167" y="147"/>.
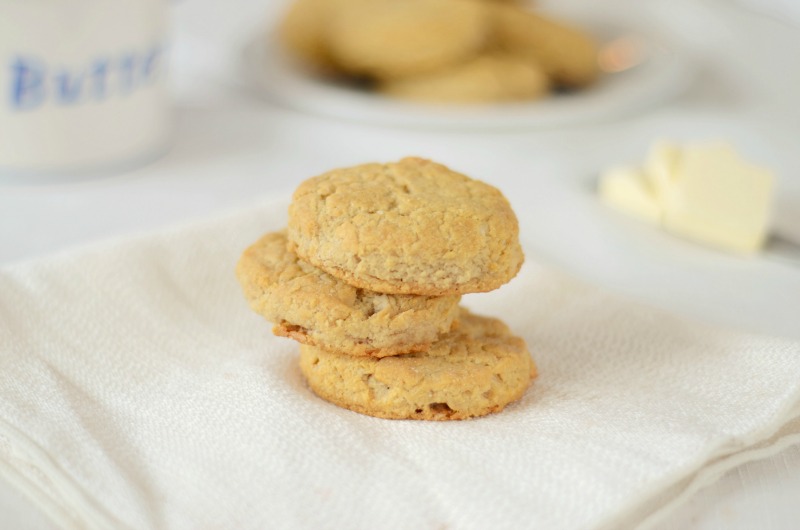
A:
<point x="231" y="145"/>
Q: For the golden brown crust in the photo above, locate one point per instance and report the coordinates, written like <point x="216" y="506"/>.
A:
<point x="314" y="308"/>
<point x="474" y="371"/>
<point x="411" y="227"/>
<point x="390" y="38"/>
<point x="487" y="78"/>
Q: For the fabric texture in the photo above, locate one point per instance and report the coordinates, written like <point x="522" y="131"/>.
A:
<point x="137" y="390"/>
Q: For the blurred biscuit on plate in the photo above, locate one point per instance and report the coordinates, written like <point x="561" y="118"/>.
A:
<point x="486" y="78"/>
<point x="386" y="39"/>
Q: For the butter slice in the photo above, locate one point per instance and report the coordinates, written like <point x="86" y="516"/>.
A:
<point x="717" y="198"/>
<point x="627" y="190"/>
<point x="661" y="166"/>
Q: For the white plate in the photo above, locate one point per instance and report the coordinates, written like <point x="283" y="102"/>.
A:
<point x="662" y="75"/>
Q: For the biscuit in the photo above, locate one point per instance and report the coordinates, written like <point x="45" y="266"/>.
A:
<point x="315" y="308"/>
<point x="487" y="78"/>
<point x="567" y="54"/>
<point x="391" y="38"/>
<point x="303" y="28"/>
<point x="410" y="227"/>
<point x="473" y="371"/>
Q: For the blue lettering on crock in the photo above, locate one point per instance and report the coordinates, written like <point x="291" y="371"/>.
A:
<point x="68" y="87"/>
<point x="150" y="64"/>
<point x="32" y="82"/>
<point x="27" y="84"/>
<point x="99" y="74"/>
<point x="127" y="73"/>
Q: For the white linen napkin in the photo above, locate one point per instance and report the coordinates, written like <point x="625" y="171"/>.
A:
<point x="137" y="390"/>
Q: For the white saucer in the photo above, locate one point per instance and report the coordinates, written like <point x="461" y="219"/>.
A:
<point x="662" y="75"/>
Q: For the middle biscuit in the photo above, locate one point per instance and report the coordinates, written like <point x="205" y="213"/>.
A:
<point x="314" y="308"/>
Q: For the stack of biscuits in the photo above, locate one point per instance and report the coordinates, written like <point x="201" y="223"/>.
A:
<point x="368" y="276"/>
<point x="459" y="51"/>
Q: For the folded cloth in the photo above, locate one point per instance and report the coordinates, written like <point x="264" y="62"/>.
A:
<point x="137" y="390"/>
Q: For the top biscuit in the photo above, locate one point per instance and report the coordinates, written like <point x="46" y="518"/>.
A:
<point x="410" y="227"/>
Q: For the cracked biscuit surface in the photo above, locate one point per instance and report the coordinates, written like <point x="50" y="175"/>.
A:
<point x="410" y="227"/>
<point x="475" y="370"/>
<point x="315" y="308"/>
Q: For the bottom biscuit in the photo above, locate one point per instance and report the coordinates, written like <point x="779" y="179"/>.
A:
<point x="473" y="371"/>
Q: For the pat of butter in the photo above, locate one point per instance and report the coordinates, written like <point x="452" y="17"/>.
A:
<point x="661" y="165"/>
<point x="719" y="199"/>
<point x="626" y="189"/>
<point x="706" y="193"/>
